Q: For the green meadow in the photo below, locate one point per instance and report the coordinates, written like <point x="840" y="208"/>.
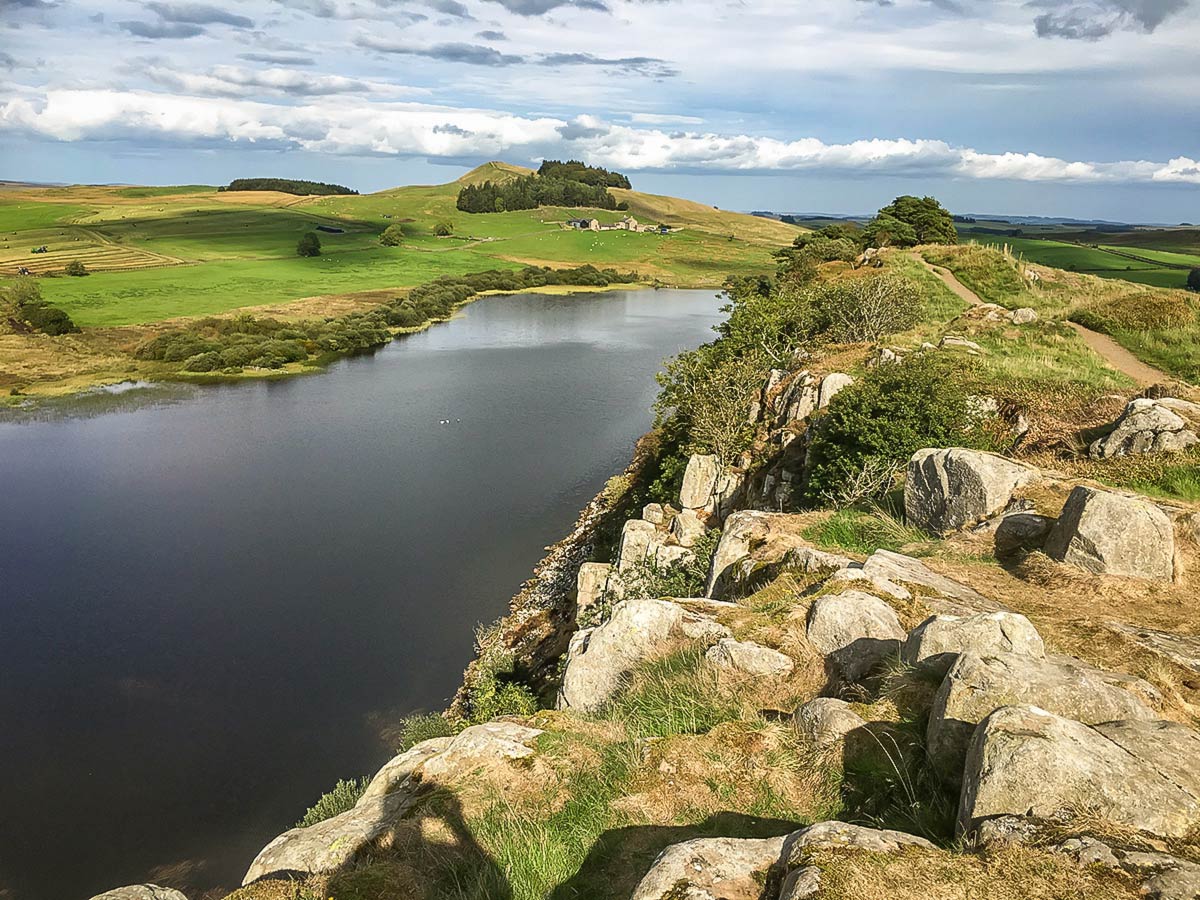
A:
<point x="164" y="252"/>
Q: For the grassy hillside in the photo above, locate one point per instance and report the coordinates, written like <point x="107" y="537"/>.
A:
<point x="1156" y="256"/>
<point x="159" y="253"/>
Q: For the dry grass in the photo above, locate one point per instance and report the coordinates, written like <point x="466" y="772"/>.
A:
<point x="1009" y="874"/>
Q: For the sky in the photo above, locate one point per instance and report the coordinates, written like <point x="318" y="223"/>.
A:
<point x="1085" y="108"/>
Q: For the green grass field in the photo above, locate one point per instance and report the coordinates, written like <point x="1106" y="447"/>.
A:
<point x="190" y="250"/>
<point x="1098" y="261"/>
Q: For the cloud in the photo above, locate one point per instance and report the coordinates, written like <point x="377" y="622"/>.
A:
<point x="471" y="54"/>
<point x="450" y="8"/>
<point x="657" y="119"/>
<point x="492" y="36"/>
<point x="235" y="81"/>
<point x="6" y="5"/>
<point x="7" y="61"/>
<point x="278" y="59"/>
<point x="641" y="65"/>
<point x="330" y="125"/>
<point x="161" y="30"/>
<point x="198" y="14"/>
<point x="1090" y="20"/>
<point x="541" y="7"/>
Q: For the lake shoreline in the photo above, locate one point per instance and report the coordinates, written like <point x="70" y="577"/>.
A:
<point x="155" y="374"/>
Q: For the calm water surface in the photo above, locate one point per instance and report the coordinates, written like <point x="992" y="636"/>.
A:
<point x="211" y="606"/>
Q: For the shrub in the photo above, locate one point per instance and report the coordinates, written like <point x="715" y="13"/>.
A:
<point x="888" y="415"/>
<point x="393" y="236"/>
<point x="46" y="319"/>
<point x="686" y="578"/>
<point x="308" y="245"/>
<point x="1193" y="280"/>
<point x="443" y="229"/>
<point x="76" y="267"/>
<point x="866" y="309"/>
<point x="342" y="798"/>
<point x="422" y="727"/>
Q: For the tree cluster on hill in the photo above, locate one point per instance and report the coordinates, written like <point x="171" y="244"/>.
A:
<point x="1193" y="280"/>
<point x="229" y="345"/>
<point x="574" y="170"/>
<point x="23" y="306"/>
<point x="287" y="186"/>
<point x="909" y="221"/>
<point x="531" y="192"/>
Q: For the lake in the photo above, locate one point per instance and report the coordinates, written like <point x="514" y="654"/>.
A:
<point x="214" y="600"/>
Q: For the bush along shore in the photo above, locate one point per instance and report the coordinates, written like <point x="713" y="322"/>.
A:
<point x="231" y="345"/>
<point x="896" y="600"/>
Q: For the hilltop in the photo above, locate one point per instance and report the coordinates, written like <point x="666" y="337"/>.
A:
<point x="160" y="257"/>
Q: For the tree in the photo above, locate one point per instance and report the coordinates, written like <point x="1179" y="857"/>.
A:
<point x="928" y="220"/>
<point x="76" y="267"/>
<point x="888" y="231"/>
<point x="443" y="229"/>
<point x="309" y="245"/>
<point x="393" y="236"/>
<point x="1193" y="280"/>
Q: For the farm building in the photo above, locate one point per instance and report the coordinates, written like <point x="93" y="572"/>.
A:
<point x="584" y="224"/>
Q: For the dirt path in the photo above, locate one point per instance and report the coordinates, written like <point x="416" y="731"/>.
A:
<point x="1109" y="350"/>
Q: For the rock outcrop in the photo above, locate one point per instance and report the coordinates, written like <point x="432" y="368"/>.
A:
<point x="906" y="570"/>
<point x="711" y="869"/>
<point x="141" y="892"/>
<point x="600" y="658"/>
<point x="638" y="539"/>
<point x="699" y="482"/>
<point x="948" y="489"/>
<point x="1107" y="533"/>
<point x="976" y="686"/>
<point x="769" y="535"/>
<point x="1149" y="426"/>
<point x="825" y="722"/>
<point x="748" y="658"/>
<point x="938" y="641"/>
<point x="590" y="584"/>
<point x="1026" y="761"/>
<point x="856" y="631"/>
<point x="395" y="790"/>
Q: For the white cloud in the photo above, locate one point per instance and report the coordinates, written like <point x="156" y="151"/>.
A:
<point x="418" y="129"/>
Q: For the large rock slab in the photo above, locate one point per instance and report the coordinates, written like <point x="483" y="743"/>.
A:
<point x="400" y="768"/>
<point x="769" y="535"/>
<point x="1181" y="649"/>
<point x="392" y="794"/>
<point x="937" y="642"/>
<point x="748" y="658"/>
<point x="599" y="659"/>
<point x="639" y="538"/>
<point x="1113" y="534"/>
<point x="976" y="686"/>
<point x="1147" y="426"/>
<point x="832" y="385"/>
<point x="687" y="528"/>
<point x="906" y="570"/>
<point x="699" y="482"/>
<point x="590" y="584"/>
<point x="1027" y="761"/>
<point x="711" y="869"/>
<point x="856" y="631"/>
<point x="141" y="892"/>
<point x="946" y="490"/>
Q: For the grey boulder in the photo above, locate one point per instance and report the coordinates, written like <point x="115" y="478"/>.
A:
<point x="937" y="642"/>
<point x="1146" y="426"/>
<point x="711" y="869"/>
<point x="1107" y="533"/>
<point x="599" y="659"/>
<point x="856" y="631"/>
<point x="976" y="686"/>
<point x="748" y="658"/>
<point x="946" y="490"/>
<point x="141" y="892"/>
<point x="1027" y="761"/>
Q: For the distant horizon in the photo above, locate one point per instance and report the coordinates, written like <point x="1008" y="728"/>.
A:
<point x="1084" y="106"/>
